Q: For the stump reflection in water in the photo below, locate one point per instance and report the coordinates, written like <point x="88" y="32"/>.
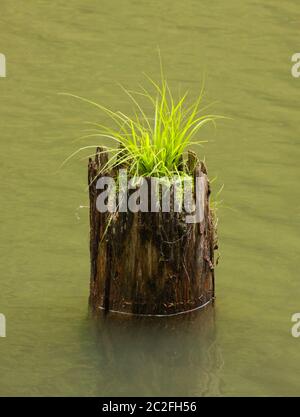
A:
<point x="159" y="356"/>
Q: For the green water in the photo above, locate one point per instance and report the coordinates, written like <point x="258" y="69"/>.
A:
<point x="244" y="345"/>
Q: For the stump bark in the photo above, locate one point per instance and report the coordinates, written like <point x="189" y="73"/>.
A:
<point x="150" y="263"/>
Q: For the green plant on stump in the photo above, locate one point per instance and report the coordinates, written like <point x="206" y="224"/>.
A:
<point x="151" y="146"/>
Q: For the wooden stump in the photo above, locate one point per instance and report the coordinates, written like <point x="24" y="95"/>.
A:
<point x="149" y="263"/>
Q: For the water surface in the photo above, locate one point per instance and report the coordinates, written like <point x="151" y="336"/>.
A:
<point x="243" y="346"/>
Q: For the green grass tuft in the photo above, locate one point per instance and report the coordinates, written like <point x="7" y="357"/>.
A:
<point x="156" y="145"/>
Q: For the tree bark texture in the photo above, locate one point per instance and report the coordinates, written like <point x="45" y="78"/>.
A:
<point x="150" y="263"/>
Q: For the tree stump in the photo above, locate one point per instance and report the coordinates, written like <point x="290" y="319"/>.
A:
<point x="149" y="263"/>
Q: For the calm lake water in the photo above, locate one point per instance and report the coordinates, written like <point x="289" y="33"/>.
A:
<point x="244" y="345"/>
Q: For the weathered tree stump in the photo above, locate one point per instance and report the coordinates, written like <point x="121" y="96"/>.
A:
<point x="149" y="263"/>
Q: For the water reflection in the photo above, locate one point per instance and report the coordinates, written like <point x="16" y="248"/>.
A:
<point x="170" y="356"/>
